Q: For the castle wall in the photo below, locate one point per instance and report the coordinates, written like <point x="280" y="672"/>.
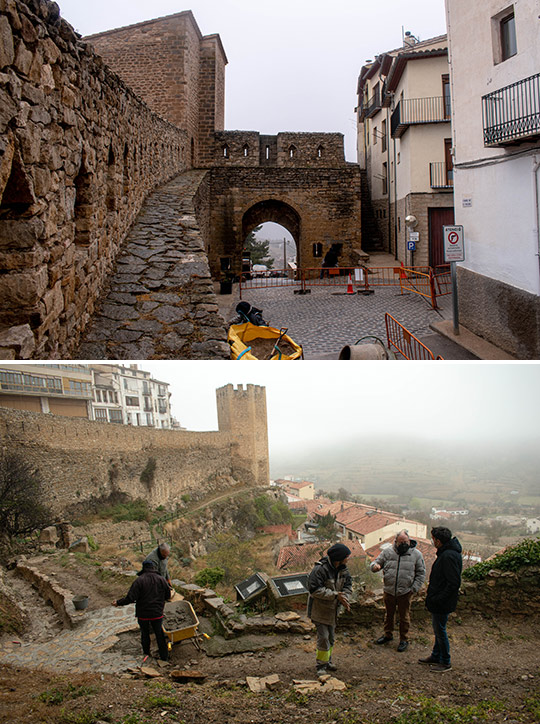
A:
<point x="79" y="459"/>
<point x="179" y="73"/>
<point x="79" y="152"/>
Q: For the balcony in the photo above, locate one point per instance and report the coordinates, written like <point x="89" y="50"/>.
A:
<point x="440" y="176"/>
<point x="373" y="105"/>
<point x="512" y="114"/>
<point x="415" y="111"/>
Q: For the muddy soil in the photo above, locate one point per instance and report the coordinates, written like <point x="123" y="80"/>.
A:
<point x="177" y="615"/>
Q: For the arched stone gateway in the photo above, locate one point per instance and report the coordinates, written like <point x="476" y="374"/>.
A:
<point x="276" y="211"/>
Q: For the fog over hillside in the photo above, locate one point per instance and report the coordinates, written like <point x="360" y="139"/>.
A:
<point x="411" y="465"/>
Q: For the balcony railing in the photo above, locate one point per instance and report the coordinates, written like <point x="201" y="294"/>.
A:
<point x="441" y="177"/>
<point x="413" y="111"/>
<point x="373" y="104"/>
<point x="512" y="114"/>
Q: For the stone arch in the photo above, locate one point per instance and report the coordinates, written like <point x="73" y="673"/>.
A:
<point x="277" y="211"/>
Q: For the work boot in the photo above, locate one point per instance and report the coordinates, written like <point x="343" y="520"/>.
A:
<point x="384" y="639"/>
<point x="331" y="667"/>
<point x="322" y="669"/>
<point x="402" y="645"/>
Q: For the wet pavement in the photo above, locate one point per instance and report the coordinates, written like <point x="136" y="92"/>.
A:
<point x="328" y="319"/>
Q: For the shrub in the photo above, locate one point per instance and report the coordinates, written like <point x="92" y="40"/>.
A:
<point x="209" y="577"/>
<point x="526" y="553"/>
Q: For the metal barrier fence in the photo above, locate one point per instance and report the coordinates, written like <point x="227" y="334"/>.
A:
<point x="404" y="342"/>
<point x="424" y="281"/>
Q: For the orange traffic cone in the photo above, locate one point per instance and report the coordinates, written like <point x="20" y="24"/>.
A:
<point x="350" y="289"/>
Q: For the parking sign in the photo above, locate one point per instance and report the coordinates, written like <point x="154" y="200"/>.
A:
<point x="453" y="243"/>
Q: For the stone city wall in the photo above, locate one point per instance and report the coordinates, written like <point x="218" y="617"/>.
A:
<point x="79" y="152"/>
<point x="80" y="459"/>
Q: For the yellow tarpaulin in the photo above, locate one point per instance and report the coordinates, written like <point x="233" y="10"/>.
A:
<point x="248" y="341"/>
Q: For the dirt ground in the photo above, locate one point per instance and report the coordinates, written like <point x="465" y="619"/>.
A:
<point x="495" y="677"/>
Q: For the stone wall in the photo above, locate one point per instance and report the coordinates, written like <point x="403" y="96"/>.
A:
<point x="179" y="73"/>
<point x="80" y="459"/>
<point x="315" y="205"/>
<point x="79" y="152"/>
<point x="285" y="150"/>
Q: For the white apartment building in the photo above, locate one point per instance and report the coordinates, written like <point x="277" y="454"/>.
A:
<point x="404" y="144"/>
<point x="495" y="78"/>
<point x="103" y="392"/>
<point x="128" y="395"/>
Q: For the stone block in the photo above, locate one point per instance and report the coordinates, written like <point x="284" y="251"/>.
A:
<point x="48" y="536"/>
<point x="19" y="339"/>
<point x="20" y="233"/>
<point x="7" y="50"/>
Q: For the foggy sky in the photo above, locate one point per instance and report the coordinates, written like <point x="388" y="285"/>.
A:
<point x="318" y="403"/>
<point x="293" y="64"/>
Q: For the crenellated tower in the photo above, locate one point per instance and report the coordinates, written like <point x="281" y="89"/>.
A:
<point x="242" y="416"/>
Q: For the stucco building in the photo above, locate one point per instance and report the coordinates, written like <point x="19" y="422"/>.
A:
<point x="404" y="144"/>
<point x="495" y="61"/>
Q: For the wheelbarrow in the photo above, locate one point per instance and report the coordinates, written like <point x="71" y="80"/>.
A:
<point x="180" y="623"/>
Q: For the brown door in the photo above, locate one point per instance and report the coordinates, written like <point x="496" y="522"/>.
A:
<point x="437" y="219"/>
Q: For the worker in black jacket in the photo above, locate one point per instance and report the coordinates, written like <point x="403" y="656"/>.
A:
<point x="442" y="594"/>
<point x="149" y="593"/>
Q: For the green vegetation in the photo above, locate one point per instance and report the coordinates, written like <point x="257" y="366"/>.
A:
<point x="526" y="553"/>
<point x="209" y="577"/>
<point x="137" y="509"/>
<point x="432" y="711"/>
<point x="58" y="695"/>
<point x="153" y="701"/>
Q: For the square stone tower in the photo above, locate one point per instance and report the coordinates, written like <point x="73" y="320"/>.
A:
<point x="242" y="415"/>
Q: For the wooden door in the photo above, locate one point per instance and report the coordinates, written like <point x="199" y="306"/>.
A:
<point x="437" y="219"/>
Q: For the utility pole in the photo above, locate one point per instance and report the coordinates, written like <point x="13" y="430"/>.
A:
<point x="284" y="254"/>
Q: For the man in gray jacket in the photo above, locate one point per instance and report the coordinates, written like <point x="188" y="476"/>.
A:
<point x="404" y="573"/>
<point x="330" y="588"/>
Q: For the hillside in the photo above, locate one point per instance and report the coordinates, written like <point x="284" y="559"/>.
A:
<point x="80" y="680"/>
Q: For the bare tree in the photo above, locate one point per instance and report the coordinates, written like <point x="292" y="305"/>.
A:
<point x="21" y="491"/>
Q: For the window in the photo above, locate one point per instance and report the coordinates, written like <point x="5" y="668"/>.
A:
<point x="385" y="178"/>
<point x="446" y="96"/>
<point x="317" y="250"/>
<point x="383" y="135"/>
<point x="132" y="401"/>
<point x="225" y="151"/>
<point x="292" y="151"/>
<point x="508" y="37"/>
<point x="319" y="151"/>
<point x="149" y="420"/>
<point x="503" y="35"/>
<point x="374" y="135"/>
<point x="115" y="416"/>
<point x="245" y="150"/>
<point x="100" y="414"/>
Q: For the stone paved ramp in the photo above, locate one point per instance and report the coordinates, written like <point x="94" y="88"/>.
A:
<point x="85" y="648"/>
<point x="161" y="302"/>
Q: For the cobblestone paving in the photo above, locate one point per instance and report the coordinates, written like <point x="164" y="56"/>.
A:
<point x="328" y="319"/>
<point x="161" y="302"/>
<point x="86" y="648"/>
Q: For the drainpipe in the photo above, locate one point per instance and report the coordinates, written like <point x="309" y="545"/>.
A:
<point x="536" y="167"/>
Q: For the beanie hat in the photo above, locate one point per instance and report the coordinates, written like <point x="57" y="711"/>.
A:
<point x="147" y="565"/>
<point x="338" y="552"/>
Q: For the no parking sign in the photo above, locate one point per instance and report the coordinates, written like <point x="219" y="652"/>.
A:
<point x="453" y="243"/>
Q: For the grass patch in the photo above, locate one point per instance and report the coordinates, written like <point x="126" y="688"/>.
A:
<point x="58" y="695"/>
<point x="155" y="701"/>
<point x="431" y="711"/>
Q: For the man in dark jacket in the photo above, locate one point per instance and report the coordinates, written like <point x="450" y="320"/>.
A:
<point x="442" y="594"/>
<point x="330" y="586"/>
<point x="149" y="593"/>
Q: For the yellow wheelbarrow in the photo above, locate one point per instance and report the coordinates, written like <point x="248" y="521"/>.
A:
<point x="180" y="623"/>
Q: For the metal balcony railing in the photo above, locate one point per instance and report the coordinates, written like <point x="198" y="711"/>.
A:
<point x="413" y="111"/>
<point x="440" y="176"/>
<point x="373" y="104"/>
<point x="512" y="114"/>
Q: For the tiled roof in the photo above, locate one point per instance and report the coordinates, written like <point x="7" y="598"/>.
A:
<point x="303" y="557"/>
<point x="299" y="485"/>
<point x="424" y="546"/>
<point x="370" y="523"/>
<point x="334" y="508"/>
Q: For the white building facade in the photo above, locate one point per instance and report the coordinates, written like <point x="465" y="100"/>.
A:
<point x="494" y="51"/>
<point x="404" y="141"/>
<point x="130" y="396"/>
